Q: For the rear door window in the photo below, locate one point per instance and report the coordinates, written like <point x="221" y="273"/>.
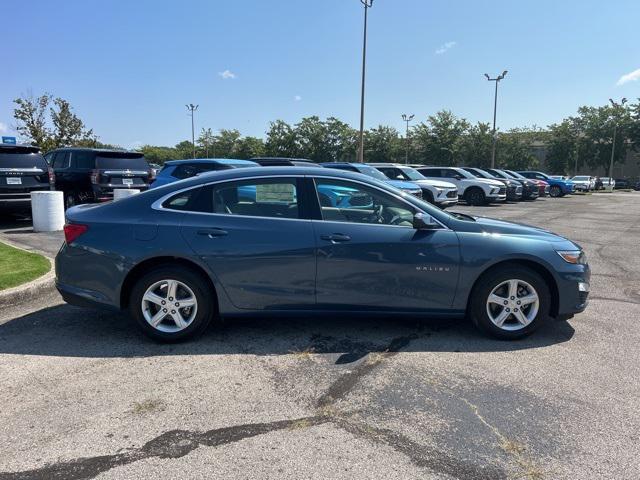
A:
<point x="265" y="197"/>
<point x="82" y="160"/>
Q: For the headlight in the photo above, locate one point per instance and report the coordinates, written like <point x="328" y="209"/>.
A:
<point x="577" y="257"/>
<point x="439" y="190"/>
<point x="495" y="190"/>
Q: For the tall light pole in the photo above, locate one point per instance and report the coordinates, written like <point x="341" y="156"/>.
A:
<point x="615" y="130"/>
<point x="495" y="108"/>
<point x="367" y="5"/>
<point x="192" y="108"/>
<point x="407" y="118"/>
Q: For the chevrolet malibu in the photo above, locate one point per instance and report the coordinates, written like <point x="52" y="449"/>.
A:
<point x="188" y="254"/>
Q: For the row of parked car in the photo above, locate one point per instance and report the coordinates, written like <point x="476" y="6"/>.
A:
<point x="88" y="175"/>
<point x="587" y="183"/>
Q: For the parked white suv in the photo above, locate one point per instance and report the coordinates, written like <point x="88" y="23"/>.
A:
<point x="437" y="192"/>
<point x="474" y="190"/>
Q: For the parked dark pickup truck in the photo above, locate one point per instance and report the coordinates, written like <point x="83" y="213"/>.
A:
<point x="88" y="175"/>
<point x="22" y="171"/>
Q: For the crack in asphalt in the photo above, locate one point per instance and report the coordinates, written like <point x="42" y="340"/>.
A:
<point x="171" y="444"/>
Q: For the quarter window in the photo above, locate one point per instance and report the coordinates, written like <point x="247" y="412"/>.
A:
<point x="61" y="160"/>
<point x="343" y="201"/>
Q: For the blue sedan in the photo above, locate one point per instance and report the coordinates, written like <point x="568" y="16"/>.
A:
<point x="185" y="255"/>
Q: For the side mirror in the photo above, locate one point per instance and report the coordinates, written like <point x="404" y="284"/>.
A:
<point x="422" y="221"/>
<point x="458" y="177"/>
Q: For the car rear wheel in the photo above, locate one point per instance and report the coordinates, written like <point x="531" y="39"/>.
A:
<point x="171" y="304"/>
<point x="474" y="196"/>
<point x="510" y="303"/>
<point x="555" y="191"/>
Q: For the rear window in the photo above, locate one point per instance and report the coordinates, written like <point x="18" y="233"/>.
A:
<point x="122" y="161"/>
<point x="22" y="160"/>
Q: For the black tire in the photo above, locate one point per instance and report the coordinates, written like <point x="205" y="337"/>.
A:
<point x="555" y="191"/>
<point x="428" y="197"/>
<point x="70" y="200"/>
<point x="206" y="304"/>
<point x="474" y="196"/>
<point x="490" y="280"/>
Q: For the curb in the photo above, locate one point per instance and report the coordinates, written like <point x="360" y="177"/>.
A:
<point x="22" y="293"/>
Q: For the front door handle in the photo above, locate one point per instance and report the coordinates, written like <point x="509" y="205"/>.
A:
<point x="335" y="237"/>
<point x="213" y="232"/>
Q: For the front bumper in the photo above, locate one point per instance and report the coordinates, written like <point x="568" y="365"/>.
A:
<point x="573" y="289"/>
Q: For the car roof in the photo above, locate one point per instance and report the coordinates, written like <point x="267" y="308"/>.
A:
<point x="18" y="148"/>
<point x="97" y="150"/>
<point x="292" y="159"/>
<point x="220" y="161"/>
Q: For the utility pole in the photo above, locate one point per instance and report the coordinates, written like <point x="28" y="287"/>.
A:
<point x="367" y="5"/>
<point x="495" y="108"/>
<point x="192" y="108"/>
<point x="407" y="118"/>
<point x="615" y="131"/>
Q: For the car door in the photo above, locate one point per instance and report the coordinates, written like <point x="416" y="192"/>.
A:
<point x="370" y="257"/>
<point x="60" y="165"/>
<point x="261" y="248"/>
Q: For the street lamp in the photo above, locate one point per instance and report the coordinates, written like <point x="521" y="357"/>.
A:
<point x="495" y="107"/>
<point x="192" y="108"/>
<point x="367" y="5"/>
<point x="615" y="129"/>
<point x="407" y="118"/>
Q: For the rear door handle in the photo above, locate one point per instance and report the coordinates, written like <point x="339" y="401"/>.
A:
<point x="213" y="232"/>
<point x="335" y="237"/>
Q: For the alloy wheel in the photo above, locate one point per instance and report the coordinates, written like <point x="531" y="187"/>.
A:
<point x="513" y="304"/>
<point x="169" y="306"/>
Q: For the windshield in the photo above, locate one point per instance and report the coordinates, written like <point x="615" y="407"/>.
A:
<point x="464" y="173"/>
<point x="122" y="162"/>
<point x="517" y="175"/>
<point x="22" y="160"/>
<point x="372" y="172"/>
<point x="497" y="173"/>
<point x="412" y="173"/>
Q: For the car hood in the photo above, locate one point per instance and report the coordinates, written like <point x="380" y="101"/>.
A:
<point x="493" y="226"/>
<point x="403" y="185"/>
<point x="493" y="183"/>
<point x="434" y="183"/>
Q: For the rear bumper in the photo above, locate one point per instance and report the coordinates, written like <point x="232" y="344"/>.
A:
<point x="104" y="193"/>
<point x="83" y="298"/>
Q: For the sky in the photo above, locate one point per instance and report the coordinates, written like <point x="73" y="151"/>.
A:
<point x="129" y="67"/>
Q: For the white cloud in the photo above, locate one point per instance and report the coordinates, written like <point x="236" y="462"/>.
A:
<point x="629" y="77"/>
<point x="227" y="74"/>
<point x="444" y="48"/>
<point x="297" y="98"/>
<point x="3" y="127"/>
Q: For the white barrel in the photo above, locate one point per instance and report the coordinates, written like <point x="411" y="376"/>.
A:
<point x="47" y="211"/>
<point x="120" y="193"/>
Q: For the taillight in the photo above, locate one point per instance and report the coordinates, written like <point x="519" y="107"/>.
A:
<point x="52" y="176"/>
<point x="73" y="230"/>
<point x="95" y="175"/>
<point x="152" y="174"/>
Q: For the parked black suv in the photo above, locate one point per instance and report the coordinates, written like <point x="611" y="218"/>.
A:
<point x="22" y="171"/>
<point x="88" y="175"/>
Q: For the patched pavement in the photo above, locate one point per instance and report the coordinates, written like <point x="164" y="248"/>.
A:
<point x="84" y="395"/>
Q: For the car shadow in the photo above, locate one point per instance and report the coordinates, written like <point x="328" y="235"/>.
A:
<point x="69" y="331"/>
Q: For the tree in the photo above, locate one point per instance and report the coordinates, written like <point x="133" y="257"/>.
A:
<point x="562" y="148"/>
<point x="160" y="155"/>
<point x="249" y="147"/>
<point x="281" y="140"/>
<point x="383" y="144"/>
<point x="474" y="147"/>
<point x="206" y="142"/>
<point x="438" y="140"/>
<point x="63" y="128"/>
<point x="515" y="150"/>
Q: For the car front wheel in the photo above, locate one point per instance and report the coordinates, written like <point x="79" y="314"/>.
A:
<point x="555" y="191"/>
<point x="510" y="303"/>
<point x="172" y="304"/>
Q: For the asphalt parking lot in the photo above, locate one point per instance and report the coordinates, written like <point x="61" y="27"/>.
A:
<point x="84" y="395"/>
